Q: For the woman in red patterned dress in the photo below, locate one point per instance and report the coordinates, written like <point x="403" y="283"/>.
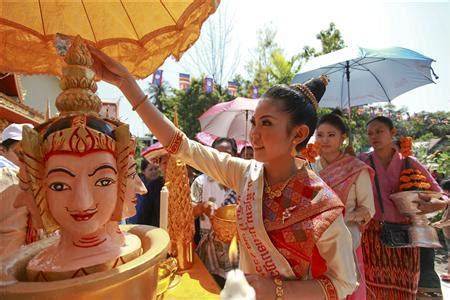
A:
<point x="291" y="231"/>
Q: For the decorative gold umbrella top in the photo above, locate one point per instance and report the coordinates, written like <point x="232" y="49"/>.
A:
<point x="139" y="34"/>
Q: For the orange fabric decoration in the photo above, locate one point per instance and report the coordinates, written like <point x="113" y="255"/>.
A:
<point x="139" y="34"/>
<point x="310" y="152"/>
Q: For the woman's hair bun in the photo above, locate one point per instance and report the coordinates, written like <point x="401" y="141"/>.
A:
<point x="317" y="86"/>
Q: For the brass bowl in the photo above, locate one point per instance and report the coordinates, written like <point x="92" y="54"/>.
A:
<point x="164" y="277"/>
<point x="166" y="271"/>
<point x="136" y="279"/>
<point x="420" y="233"/>
<point x="406" y="201"/>
<point x="224" y="223"/>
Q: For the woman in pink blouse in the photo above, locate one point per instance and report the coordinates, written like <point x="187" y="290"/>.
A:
<point x="391" y="273"/>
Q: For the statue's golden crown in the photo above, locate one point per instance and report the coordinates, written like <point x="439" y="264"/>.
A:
<point x="78" y="138"/>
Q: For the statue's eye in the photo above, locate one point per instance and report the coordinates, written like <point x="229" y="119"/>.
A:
<point x="105" y="181"/>
<point x="59" y="186"/>
<point x="132" y="175"/>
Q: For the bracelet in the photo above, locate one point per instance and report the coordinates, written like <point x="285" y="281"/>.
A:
<point x="175" y="143"/>
<point x="279" y="292"/>
<point x="140" y="102"/>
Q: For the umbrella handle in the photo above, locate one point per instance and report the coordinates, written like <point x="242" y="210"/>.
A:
<point x="246" y="125"/>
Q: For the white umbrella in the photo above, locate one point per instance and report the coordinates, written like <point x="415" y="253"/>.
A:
<point x="361" y="76"/>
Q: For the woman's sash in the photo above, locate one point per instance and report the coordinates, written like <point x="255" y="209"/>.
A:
<point x="258" y="253"/>
<point x="342" y="174"/>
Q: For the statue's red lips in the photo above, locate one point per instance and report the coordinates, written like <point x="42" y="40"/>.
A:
<point x="79" y="217"/>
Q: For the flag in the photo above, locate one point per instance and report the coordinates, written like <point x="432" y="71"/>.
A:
<point x="185" y="82"/>
<point x="232" y="88"/>
<point x="254" y="91"/>
<point x="208" y="85"/>
<point x="158" y="78"/>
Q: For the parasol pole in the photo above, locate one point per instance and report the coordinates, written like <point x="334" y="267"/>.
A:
<point x="246" y="130"/>
<point x="347" y="75"/>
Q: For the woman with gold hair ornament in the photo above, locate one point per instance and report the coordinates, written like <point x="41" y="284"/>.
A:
<point x="294" y="242"/>
<point x="77" y="167"/>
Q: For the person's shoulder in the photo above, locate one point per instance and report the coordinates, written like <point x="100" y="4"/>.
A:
<point x="6" y="163"/>
<point x="414" y="162"/>
<point x="310" y="180"/>
<point x="364" y="156"/>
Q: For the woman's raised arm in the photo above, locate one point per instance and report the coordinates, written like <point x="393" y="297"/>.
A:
<point x="223" y="168"/>
<point x="113" y="72"/>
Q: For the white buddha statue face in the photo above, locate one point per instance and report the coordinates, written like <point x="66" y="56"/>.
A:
<point x="81" y="190"/>
<point x="134" y="186"/>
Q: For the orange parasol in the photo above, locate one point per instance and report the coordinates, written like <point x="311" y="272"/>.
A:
<point x="139" y="34"/>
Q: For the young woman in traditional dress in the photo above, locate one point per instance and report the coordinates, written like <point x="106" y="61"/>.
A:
<point x="391" y="273"/>
<point x="351" y="179"/>
<point x="291" y="230"/>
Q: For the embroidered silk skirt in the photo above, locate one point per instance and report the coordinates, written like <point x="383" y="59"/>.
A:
<point x="391" y="273"/>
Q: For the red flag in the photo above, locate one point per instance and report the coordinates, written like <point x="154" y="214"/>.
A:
<point x="185" y="81"/>
<point x="232" y="88"/>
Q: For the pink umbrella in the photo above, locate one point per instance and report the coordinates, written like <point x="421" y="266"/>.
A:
<point x="228" y="119"/>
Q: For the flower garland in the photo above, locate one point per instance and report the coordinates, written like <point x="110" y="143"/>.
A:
<point x="406" y="146"/>
<point x="310" y="152"/>
<point x="411" y="179"/>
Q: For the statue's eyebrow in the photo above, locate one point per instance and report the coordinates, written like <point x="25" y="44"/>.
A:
<point x="60" y="170"/>
<point x="103" y="167"/>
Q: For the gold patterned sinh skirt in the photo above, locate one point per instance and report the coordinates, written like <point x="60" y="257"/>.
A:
<point x="391" y="273"/>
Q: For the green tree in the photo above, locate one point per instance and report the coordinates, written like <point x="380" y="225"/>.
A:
<point x="244" y="86"/>
<point x="191" y="104"/>
<point x="259" y="68"/>
<point x="158" y="94"/>
<point x="270" y="65"/>
<point x="283" y="70"/>
<point x="330" y="39"/>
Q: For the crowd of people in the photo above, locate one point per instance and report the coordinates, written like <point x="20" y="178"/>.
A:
<point x="306" y="230"/>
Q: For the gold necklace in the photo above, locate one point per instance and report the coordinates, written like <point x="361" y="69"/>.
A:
<point x="275" y="193"/>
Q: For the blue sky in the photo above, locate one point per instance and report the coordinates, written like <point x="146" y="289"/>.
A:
<point x="423" y="26"/>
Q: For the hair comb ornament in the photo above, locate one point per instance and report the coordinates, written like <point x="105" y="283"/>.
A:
<point x="325" y="80"/>
<point x="307" y="92"/>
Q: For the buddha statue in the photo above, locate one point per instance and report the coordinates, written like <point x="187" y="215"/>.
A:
<point x="79" y="172"/>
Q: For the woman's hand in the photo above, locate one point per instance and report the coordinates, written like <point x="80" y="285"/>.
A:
<point x="108" y="69"/>
<point x="264" y="287"/>
<point x="360" y="215"/>
<point x="429" y="203"/>
<point x="113" y="72"/>
<point x="208" y="209"/>
<point x="204" y="208"/>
